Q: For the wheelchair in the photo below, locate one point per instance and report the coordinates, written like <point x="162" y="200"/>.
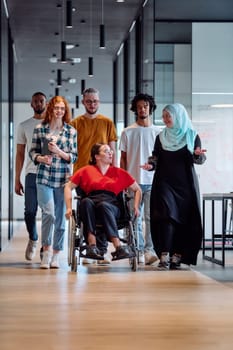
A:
<point x="76" y="240"/>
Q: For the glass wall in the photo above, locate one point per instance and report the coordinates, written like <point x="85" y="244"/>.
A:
<point x="180" y="62"/>
<point x="4" y="128"/>
<point x="6" y="136"/>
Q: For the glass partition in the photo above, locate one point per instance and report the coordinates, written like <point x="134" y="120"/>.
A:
<point x="4" y="131"/>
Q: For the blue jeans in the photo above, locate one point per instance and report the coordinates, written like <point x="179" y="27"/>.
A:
<point x="30" y="206"/>
<point x="52" y="204"/>
<point x="145" y="243"/>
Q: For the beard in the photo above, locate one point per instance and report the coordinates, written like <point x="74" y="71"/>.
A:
<point x="93" y="111"/>
<point x="143" y="117"/>
<point x="39" y="111"/>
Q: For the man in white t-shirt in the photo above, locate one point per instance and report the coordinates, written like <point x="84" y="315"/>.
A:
<point x="136" y="144"/>
<point x="24" y="139"/>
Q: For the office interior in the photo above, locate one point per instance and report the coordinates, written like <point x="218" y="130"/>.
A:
<point x="177" y="51"/>
<point x="176" y="59"/>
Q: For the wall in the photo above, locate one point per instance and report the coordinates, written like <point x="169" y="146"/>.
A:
<point x="212" y="83"/>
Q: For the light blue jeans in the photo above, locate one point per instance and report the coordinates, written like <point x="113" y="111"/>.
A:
<point x="145" y="243"/>
<point x="52" y="204"/>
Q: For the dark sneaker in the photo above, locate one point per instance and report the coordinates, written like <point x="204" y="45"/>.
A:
<point x="92" y="252"/>
<point x="175" y="262"/>
<point x="164" y="262"/>
<point x="122" y="252"/>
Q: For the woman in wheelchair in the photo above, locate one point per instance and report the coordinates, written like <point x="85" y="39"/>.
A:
<point x="101" y="182"/>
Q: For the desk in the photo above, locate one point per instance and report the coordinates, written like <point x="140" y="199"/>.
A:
<point x="221" y="236"/>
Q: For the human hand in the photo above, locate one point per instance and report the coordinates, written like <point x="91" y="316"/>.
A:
<point x="198" y="151"/>
<point x="52" y="146"/>
<point x="19" y="188"/>
<point x="146" y="166"/>
<point x="46" y="159"/>
<point x="68" y="213"/>
<point x="136" y="212"/>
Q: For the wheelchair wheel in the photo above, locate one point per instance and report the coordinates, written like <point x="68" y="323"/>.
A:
<point x="134" y="263"/>
<point x="72" y="258"/>
<point x="132" y="242"/>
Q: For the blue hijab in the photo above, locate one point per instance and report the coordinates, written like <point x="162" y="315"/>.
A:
<point x="182" y="132"/>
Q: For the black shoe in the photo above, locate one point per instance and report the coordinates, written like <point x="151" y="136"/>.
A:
<point x="41" y="253"/>
<point x="175" y="263"/>
<point x="92" y="252"/>
<point x="122" y="252"/>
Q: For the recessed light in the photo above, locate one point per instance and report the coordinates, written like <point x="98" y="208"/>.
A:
<point x="70" y="46"/>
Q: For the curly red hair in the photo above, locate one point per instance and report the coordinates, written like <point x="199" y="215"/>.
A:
<point x="50" y="107"/>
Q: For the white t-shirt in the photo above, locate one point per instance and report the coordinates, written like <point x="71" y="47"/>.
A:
<point x="138" y="143"/>
<point x="24" y="137"/>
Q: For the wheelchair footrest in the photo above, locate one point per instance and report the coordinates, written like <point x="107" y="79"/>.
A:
<point x="92" y="252"/>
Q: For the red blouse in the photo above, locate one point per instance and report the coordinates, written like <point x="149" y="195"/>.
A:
<point x="89" y="178"/>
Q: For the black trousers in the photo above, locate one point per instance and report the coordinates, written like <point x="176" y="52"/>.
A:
<point x="100" y="208"/>
<point x="171" y="236"/>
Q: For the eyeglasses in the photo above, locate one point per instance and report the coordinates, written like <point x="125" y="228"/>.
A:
<point x="90" y="102"/>
<point x="107" y="151"/>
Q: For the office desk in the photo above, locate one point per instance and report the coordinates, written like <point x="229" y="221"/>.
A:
<point x="221" y="236"/>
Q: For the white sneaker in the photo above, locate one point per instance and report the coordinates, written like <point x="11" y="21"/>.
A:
<point x="141" y="258"/>
<point x="30" y="250"/>
<point x="55" y="261"/>
<point x="45" y="262"/>
<point x="87" y="261"/>
<point x="150" y="258"/>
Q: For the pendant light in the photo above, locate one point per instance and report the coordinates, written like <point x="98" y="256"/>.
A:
<point x="69" y="14"/>
<point x="102" y="27"/>
<point x="59" y="78"/>
<point x="90" y="58"/>
<point x="83" y="85"/>
<point x="77" y="102"/>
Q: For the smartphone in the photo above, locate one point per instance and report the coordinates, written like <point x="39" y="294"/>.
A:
<point x="45" y="149"/>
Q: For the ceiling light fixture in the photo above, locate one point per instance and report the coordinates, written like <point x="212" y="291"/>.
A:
<point x="77" y="102"/>
<point x="83" y="85"/>
<point x="90" y="66"/>
<point x="69" y="14"/>
<point x="90" y="58"/>
<point x="222" y="105"/>
<point x="56" y="91"/>
<point x="102" y="27"/>
<point x="73" y="60"/>
<point x="63" y="52"/>
<point x="59" y="78"/>
<point x="63" y="42"/>
<point x="69" y="46"/>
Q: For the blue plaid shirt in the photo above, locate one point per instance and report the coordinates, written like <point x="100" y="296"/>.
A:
<point x="58" y="173"/>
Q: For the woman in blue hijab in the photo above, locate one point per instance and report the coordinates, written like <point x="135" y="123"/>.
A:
<point x="176" y="226"/>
